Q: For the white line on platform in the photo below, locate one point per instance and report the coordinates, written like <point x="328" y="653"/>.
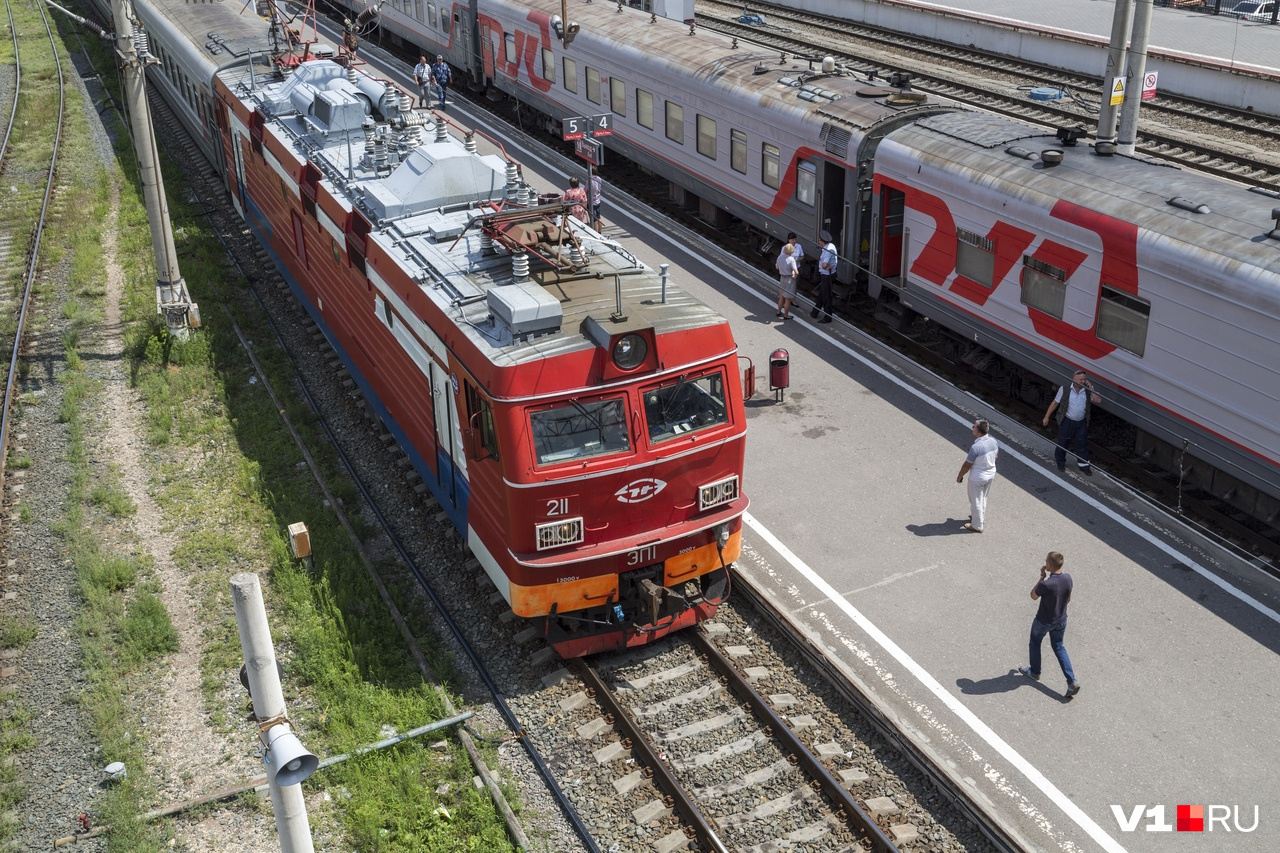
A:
<point x="1097" y="833"/>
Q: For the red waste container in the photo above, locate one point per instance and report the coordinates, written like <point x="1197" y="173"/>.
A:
<point x="779" y="370"/>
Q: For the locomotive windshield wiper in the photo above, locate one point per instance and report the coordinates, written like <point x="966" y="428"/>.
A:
<point x="675" y="393"/>
<point x="582" y="410"/>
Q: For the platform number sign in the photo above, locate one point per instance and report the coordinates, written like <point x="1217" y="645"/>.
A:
<point x="575" y="127"/>
<point x="578" y="127"/>
<point x="1149" y="86"/>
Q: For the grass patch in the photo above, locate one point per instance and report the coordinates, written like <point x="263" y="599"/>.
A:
<point x="146" y="632"/>
<point x="15" y="631"/>
<point x="113" y="500"/>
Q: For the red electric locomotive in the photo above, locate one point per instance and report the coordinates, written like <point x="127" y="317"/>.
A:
<point x="579" y="418"/>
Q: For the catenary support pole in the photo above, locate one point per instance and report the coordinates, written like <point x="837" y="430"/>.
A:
<point x="1117" y="59"/>
<point x="1137" y="71"/>
<point x="172" y="299"/>
<point x="268" y="704"/>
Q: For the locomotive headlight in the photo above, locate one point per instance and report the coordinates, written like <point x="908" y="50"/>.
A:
<point x="629" y="351"/>
<point x="557" y="534"/>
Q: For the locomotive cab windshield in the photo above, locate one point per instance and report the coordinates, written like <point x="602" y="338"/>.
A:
<point x="684" y="406"/>
<point x="580" y="430"/>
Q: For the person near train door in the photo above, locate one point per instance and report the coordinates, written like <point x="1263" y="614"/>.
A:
<point x="788" y="272"/>
<point x="798" y="250"/>
<point x="827" y="263"/>
<point x="441" y="75"/>
<point x="422" y="76"/>
<point x="576" y="196"/>
<point x="596" y="193"/>
<point x="1053" y="591"/>
<point x="1073" y="403"/>
<point x="980" y="465"/>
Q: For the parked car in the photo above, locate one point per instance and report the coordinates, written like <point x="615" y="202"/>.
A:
<point x="1252" y="10"/>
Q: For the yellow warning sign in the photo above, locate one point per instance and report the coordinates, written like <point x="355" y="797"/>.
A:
<point x="1117" y="91"/>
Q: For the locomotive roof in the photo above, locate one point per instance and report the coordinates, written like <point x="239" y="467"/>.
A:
<point x="1233" y="223"/>
<point x="435" y="208"/>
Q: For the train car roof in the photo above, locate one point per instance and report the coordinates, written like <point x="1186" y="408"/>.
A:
<point x="438" y="211"/>
<point x="847" y="103"/>
<point x="1224" y="219"/>
<point x="227" y="31"/>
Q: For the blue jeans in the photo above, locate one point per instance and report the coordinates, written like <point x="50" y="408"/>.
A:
<point x="1056" y="631"/>
<point x="1072" y="432"/>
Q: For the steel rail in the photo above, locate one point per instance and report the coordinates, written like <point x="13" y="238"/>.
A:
<point x="33" y="266"/>
<point x="845" y="802"/>
<point x="708" y="837"/>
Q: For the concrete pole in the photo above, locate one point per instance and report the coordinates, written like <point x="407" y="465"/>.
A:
<point x="1117" y="57"/>
<point x="1137" y="71"/>
<point x="172" y="299"/>
<point x="268" y="704"/>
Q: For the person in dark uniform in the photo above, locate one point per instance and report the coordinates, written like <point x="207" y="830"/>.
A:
<point x="1072" y="404"/>
<point x="827" y="262"/>
<point x="441" y="75"/>
<point x="1053" y="591"/>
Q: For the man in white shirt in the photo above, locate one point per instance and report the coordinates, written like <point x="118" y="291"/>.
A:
<point x="422" y="76"/>
<point x="1072" y="403"/>
<point x="980" y="465"/>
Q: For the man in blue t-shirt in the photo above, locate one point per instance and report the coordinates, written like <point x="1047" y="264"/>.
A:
<point x="1053" y="591"/>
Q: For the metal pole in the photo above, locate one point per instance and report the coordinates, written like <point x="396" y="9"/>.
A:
<point x="1137" y="71"/>
<point x="268" y="704"/>
<point x="1108" y="115"/>
<point x="172" y="299"/>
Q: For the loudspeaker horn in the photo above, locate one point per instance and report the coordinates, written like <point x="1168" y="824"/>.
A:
<point x="288" y="761"/>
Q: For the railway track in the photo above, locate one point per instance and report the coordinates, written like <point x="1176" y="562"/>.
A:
<point x="26" y="204"/>
<point x="734" y="767"/>
<point x="1185" y="132"/>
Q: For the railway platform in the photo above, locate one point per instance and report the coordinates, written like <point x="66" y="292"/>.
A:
<point x="855" y="535"/>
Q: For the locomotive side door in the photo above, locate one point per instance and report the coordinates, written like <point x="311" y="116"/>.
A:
<point x="446" y="448"/>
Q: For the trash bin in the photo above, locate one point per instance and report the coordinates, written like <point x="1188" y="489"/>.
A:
<point x="548" y="198"/>
<point x="779" y="372"/>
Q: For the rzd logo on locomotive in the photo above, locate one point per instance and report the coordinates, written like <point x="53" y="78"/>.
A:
<point x="639" y="490"/>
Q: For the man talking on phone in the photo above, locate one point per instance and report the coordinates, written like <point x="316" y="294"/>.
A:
<point x="1072" y="403"/>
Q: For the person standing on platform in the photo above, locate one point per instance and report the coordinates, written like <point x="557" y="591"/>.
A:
<point x="596" y="192"/>
<point x="798" y="250"/>
<point x="422" y="76"/>
<point x="441" y="75"/>
<point x="980" y="465"/>
<point x="576" y="196"/>
<point x="827" y="263"/>
<point x="1072" y="403"/>
<point x="787" y="274"/>
<point x="1053" y="591"/>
